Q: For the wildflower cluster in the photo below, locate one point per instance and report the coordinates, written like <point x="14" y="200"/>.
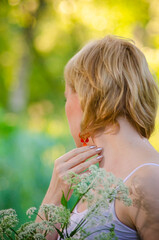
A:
<point x="97" y="187"/>
<point x="8" y="220"/>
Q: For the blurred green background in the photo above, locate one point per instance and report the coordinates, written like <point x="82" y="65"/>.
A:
<point x="37" y="38"/>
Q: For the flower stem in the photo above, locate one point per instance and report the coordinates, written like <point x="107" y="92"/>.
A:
<point x="8" y="236"/>
<point x="69" y="192"/>
<point x="14" y="231"/>
<point x="38" y="215"/>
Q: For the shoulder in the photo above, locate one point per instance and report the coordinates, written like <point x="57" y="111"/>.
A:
<point x="145" y="181"/>
<point x="144" y="189"/>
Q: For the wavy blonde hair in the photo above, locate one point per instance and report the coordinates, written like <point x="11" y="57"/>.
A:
<point x="112" y="79"/>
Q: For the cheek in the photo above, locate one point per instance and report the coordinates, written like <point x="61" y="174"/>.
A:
<point x="74" y="114"/>
<point x="68" y="110"/>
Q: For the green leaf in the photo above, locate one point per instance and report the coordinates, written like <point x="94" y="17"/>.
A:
<point x="83" y="221"/>
<point x="73" y="201"/>
<point x="63" y="200"/>
<point x="59" y="232"/>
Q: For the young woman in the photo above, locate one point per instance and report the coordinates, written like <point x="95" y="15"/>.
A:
<point x="112" y="100"/>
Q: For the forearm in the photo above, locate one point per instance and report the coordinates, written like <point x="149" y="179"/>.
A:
<point x="53" y="236"/>
<point x="53" y="196"/>
<point x="50" y="198"/>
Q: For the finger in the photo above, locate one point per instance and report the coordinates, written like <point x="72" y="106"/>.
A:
<point x="74" y="152"/>
<point x="82" y="157"/>
<point x="83" y="166"/>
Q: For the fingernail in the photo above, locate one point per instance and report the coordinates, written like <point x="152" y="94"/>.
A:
<point x="100" y="157"/>
<point x="99" y="149"/>
<point x="92" y="146"/>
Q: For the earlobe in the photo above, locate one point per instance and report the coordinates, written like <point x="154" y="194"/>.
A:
<point x="83" y="141"/>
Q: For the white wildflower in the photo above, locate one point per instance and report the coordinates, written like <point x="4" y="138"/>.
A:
<point x="8" y="219"/>
<point x="98" y="187"/>
<point x="39" y="236"/>
<point x="31" y="211"/>
<point x="55" y="214"/>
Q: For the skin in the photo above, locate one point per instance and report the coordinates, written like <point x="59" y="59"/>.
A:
<point x="122" y="152"/>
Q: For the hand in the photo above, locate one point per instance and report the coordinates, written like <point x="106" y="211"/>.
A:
<point x="75" y="161"/>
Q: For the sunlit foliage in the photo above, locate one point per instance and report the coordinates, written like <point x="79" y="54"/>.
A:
<point x="37" y="37"/>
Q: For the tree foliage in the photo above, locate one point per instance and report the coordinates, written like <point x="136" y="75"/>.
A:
<point x="37" y="38"/>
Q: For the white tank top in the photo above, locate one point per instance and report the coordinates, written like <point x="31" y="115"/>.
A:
<point x="122" y="231"/>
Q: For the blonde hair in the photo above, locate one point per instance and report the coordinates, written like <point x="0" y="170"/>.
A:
<point x="112" y="79"/>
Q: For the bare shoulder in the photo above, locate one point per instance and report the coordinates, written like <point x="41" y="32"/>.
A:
<point x="144" y="189"/>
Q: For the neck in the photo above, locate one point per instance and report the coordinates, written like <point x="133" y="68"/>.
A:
<point x="119" y="149"/>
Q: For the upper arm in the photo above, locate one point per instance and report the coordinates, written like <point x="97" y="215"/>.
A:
<point x="145" y="194"/>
